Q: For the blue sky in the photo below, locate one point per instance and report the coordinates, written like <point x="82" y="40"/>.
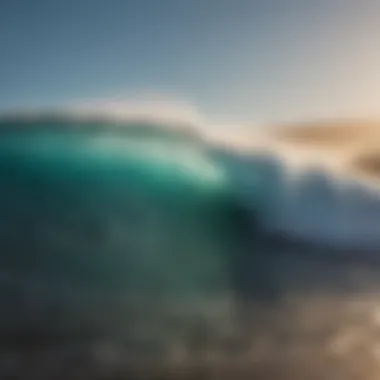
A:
<point x="237" y="60"/>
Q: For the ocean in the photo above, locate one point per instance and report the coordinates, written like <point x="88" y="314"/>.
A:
<point x="140" y="250"/>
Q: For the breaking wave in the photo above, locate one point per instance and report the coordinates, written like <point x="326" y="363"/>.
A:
<point x="155" y="206"/>
<point x="159" y="240"/>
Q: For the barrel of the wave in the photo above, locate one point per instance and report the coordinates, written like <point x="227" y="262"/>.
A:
<point x="97" y="225"/>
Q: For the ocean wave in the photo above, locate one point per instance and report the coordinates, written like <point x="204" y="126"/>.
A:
<point x="312" y="204"/>
<point x="128" y="242"/>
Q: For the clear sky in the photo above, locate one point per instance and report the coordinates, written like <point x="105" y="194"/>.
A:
<point x="242" y="60"/>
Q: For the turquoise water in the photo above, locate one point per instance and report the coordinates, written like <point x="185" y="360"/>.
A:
<point x="114" y="209"/>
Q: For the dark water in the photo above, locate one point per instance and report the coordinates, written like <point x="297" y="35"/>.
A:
<point x="126" y="251"/>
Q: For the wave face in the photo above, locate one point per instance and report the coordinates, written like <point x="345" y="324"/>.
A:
<point x="131" y="207"/>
